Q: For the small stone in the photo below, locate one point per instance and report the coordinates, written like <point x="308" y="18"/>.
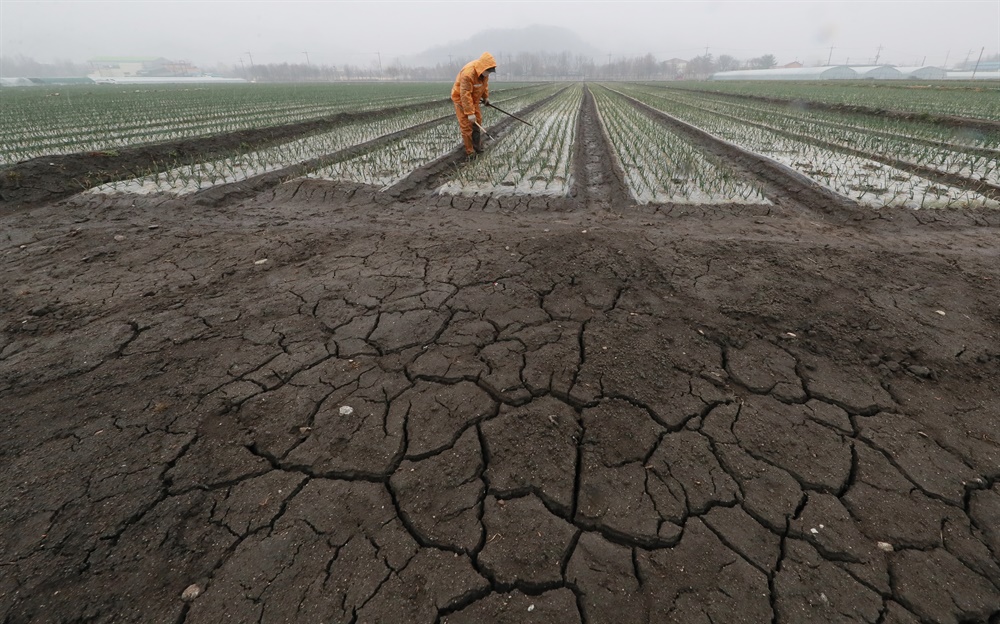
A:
<point x="153" y="227"/>
<point x="885" y="546"/>
<point x="920" y="371"/>
<point x="346" y="410"/>
<point x="531" y="608"/>
<point x="119" y="237"/>
<point x="941" y="312"/>
<point x="190" y="593"/>
<point x="260" y="261"/>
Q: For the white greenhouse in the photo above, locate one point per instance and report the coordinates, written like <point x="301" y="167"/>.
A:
<point x="923" y="73"/>
<point x="878" y="72"/>
<point x="851" y="72"/>
<point x="979" y="75"/>
<point x="831" y="72"/>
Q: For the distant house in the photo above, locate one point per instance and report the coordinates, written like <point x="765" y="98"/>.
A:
<point x="123" y="67"/>
<point x="792" y="65"/>
<point x="149" y="70"/>
<point x="139" y="67"/>
<point x="674" y="67"/>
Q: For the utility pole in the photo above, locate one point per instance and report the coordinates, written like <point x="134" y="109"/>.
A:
<point x="379" y="65"/>
<point x="244" y="67"/>
<point x="923" y="62"/>
<point x="251" y="60"/>
<point x="307" y="57"/>
<point x="829" y="58"/>
<point x="945" y="66"/>
<point x="878" y="53"/>
<point x="977" y="62"/>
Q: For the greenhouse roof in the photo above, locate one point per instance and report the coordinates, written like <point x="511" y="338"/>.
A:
<point x="979" y="75"/>
<point x="911" y="69"/>
<point x="126" y="59"/>
<point x="788" y="73"/>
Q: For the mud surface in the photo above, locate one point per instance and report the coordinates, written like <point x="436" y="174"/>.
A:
<point x="323" y="404"/>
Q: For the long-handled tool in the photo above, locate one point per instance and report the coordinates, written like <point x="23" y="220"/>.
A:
<point x="483" y="130"/>
<point x="508" y="114"/>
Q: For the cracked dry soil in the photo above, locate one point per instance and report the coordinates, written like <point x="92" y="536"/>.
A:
<point x="322" y="406"/>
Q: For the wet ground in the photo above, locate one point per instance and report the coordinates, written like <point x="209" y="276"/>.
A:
<point x="324" y="403"/>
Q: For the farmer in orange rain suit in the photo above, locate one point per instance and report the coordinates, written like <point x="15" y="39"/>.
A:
<point x="471" y="87"/>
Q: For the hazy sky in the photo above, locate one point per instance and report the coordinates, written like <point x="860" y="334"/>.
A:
<point x="207" y="32"/>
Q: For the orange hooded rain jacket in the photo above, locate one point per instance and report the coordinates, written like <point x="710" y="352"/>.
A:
<point x="469" y="89"/>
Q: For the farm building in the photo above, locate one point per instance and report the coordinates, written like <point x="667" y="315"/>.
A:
<point x="832" y="72"/>
<point x="125" y="67"/>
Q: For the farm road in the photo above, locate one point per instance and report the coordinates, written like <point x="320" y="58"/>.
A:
<point x="317" y="406"/>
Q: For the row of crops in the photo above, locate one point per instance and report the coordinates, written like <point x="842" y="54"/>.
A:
<point x="379" y="152"/>
<point x="980" y="100"/>
<point x="39" y="122"/>
<point x="874" y="160"/>
<point x="661" y="166"/>
<point x="533" y="160"/>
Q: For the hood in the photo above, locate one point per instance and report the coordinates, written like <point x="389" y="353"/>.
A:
<point x="484" y="62"/>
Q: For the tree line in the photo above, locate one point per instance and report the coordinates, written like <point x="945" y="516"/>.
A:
<point x="524" y="66"/>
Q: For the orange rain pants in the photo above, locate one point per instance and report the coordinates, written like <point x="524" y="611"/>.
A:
<point x="471" y="85"/>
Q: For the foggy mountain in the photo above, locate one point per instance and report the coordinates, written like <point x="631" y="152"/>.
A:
<point x="505" y="42"/>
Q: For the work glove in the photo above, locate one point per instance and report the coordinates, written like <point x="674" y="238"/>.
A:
<point x="472" y="119"/>
<point x="485" y="101"/>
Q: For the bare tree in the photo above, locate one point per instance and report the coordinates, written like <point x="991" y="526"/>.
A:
<point x="763" y="62"/>
<point x="727" y="63"/>
<point x="701" y="66"/>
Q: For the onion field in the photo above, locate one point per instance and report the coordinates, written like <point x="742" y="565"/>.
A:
<point x="671" y="144"/>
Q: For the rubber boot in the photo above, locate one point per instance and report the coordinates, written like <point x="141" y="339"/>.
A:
<point x="477" y="139"/>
